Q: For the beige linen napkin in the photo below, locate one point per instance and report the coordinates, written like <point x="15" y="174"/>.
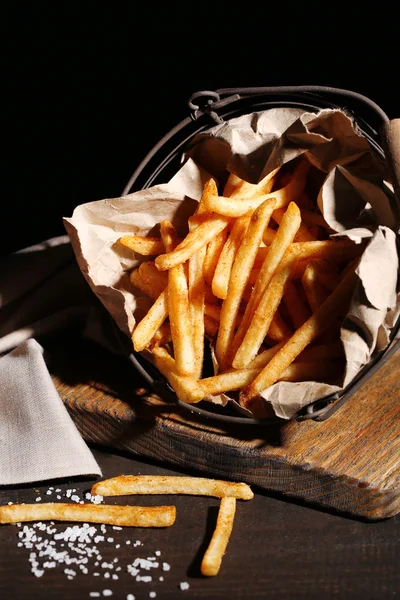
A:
<point x="38" y="439"/>
<point x="42" y="292"/>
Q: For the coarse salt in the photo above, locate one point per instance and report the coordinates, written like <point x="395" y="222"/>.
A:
<point x="184" y="585"/>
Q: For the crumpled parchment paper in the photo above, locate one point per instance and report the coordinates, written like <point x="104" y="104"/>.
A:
<point x="356" y="199"/>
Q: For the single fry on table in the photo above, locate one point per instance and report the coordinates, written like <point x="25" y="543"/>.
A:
<point x="125" y="516"/>
<point x="123" y="485"/>
<point x="212" y="559"/>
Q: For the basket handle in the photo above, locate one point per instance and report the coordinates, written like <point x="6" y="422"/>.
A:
<point x="391" y="144"/>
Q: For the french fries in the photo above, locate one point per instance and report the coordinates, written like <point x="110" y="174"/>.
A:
<point x="240" y="275"/>
<point x="144" y="516"/>
<point x="307" y="333"/>
<point x="258" y="276"/>
<point x="140" y="244"/>
<point x="125" y="516"/>
<point x="213" y="556"/>
<point x="228" y="492"/>
<point x="178" y="307"/>
<point x="123" y="485"/>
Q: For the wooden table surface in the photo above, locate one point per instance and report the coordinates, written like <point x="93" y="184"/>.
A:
<point x="278" y="549"/>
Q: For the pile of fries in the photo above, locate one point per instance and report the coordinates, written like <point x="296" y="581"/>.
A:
<point x="258" y="275"/>
<point x="145" y="516"/>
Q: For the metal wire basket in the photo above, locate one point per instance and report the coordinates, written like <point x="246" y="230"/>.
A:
<point x="208" y="108"/>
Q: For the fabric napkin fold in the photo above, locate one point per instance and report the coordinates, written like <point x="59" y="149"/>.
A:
<point x="38" y="439"/>
<point x="42" y="293"/>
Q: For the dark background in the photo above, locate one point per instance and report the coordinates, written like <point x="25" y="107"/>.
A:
<point x="88" y="91"/>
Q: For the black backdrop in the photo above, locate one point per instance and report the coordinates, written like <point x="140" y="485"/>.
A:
<point x="89" y="90"/>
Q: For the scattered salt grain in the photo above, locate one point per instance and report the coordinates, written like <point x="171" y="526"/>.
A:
<point x="130" y="597"/>
<point x="110" y="539"/>
<point x="49" y="492"/>
<point x="94" y="594"/>
<point x="144" y="578"/>
<point x="107" y="593"/>
<point x="157" y="553"/>
<point x="166" y="566"/>
<point x="152" y="595"/>
<point x="38" y="499"/>
<point x="184" y="585"/>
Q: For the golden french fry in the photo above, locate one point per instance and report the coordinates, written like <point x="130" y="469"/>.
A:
<point x="289" y="226"/>
<point x="312" y="328"/>
<point x="197" y="293"/>
<point x="151" y="322"/>
<point x="125" y="516"/>
<point x="198" y="290"/>
<point x="161" y="337"/>
<point x="315" y="292"/>
<point x="268" y="235"/>
<point x="261" y="319"/>
<point x="212" y="559"/>
<point x="238" y="206"/>
<point x="334" y="251"/>
<point x="155" y="279"/>
<point x="210" y="326"/>
<point x="298" y="310"/>
<point x="279" y="330"/>
<point x="265" y="356"/>
<point x="184" y="386"/>
<point x="214" y="249"/>
<point x="209" y="226"/>
<point x="213" y="311"/>
<point x="152" y="287"/>
<point x="224" y="266"/>
<point x="239" y="278"/>
<point x="237" y="379"/>
<point x="237" y="187"/>
<point x="178" y="308"/>
<point x="227" y="381"/>
<point x="210" y="188"/>
<point x="140" y="244"/>
<point x="124" y="485"/>
<point x="303" y="234"/>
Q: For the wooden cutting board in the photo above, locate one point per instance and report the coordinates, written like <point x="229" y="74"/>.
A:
<point x="348" y="464"/>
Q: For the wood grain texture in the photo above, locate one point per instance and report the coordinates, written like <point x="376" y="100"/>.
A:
<point x="349" y="463"/>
